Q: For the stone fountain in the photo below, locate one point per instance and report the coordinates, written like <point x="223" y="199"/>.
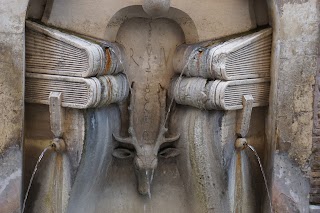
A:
<point x="151" y="105"/>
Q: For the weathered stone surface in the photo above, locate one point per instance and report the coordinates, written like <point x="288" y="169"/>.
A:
<point x="10" y="180"/>
<point x="12" y="16"/>
<point x="290" y="187"/>
<point x="11" y="89"/>
<point x="296" y="49"/>
<point x="11" y="69"/>
<point x="297" y="44"/>
<point x="296" y="38"/>
<point x="212" y="19"/>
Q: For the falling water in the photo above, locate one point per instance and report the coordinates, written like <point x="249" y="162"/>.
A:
<point x="152" y="173"/>
<point x="149" y="181"/>
<point x="147" y="208"/>
<point x="179" y="80"/>
<point x="149" y="184"/>
<point x="32" y="176"/>
<point x="264" y="176"/>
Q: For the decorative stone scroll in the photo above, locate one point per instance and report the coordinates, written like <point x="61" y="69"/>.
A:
<point x="114" y="55"/>
<point x="243" y="57"/>
<point x="224" y="95"/>
<point x="113" y="89"/>
<point x="76" y="92"/>
<point x="50" y="51"/>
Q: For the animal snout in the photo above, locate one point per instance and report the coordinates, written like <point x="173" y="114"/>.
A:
<point x="145" y="178"/>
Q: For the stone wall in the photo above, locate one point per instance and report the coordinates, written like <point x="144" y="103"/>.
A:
<point x="295" y="54"/>
<point x="12" y="16"/>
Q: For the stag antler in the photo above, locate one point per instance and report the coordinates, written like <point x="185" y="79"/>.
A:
<point x="161" y="139"/>
<point x="133" y="138"/>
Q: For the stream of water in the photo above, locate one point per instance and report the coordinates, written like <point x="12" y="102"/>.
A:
<point x="263" y="174"/>
<point x="32" y="176"/>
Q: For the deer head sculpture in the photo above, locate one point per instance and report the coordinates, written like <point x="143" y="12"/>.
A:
<point x="146" y="155"/>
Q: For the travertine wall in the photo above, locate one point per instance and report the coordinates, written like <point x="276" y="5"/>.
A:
<point x="12" y="17"/>
<point x="295" y="53"/>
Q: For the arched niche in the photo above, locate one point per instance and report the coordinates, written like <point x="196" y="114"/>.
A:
<point x="136" y="11"/>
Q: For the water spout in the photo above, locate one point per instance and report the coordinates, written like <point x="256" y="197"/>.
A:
<point x="263" y="174"/>
<point x="33" y="174"/>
